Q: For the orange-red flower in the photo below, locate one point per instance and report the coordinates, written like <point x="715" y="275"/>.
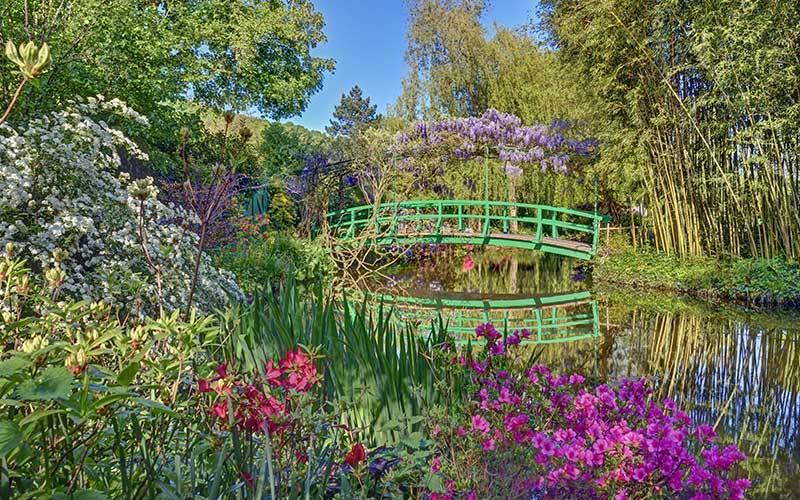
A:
<point x="356" y="455"/>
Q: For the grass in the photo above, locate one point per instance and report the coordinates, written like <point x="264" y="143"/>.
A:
<point x="766" y="282"/>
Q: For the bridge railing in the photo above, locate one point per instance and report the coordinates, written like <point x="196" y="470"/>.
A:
<point x="468" y="218"/>
<point x="558" y="318"/>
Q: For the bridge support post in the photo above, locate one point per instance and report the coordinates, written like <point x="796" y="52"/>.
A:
<point x="486" y="211"/>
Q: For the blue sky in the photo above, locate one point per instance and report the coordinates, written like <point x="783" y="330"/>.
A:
<point x="367" y="40"/>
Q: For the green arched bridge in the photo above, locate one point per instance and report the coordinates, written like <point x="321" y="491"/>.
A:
<point x="562" y="231"/>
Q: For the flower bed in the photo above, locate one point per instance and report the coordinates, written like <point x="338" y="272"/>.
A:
<point x="527" y="432"/>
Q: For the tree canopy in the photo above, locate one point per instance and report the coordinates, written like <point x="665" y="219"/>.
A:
<point x="457" y="69"/>
<point x="234" y="55"/>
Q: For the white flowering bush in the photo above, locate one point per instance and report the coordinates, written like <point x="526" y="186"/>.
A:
<point x="64" y="204"/>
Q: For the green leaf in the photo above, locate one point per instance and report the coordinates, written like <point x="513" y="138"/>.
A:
<point x="127" y="375"/>
<point x="33" y="417"/>
<point x="89" y="495"/>
<point x="11" y="366"/>
<point x="415" y="419"/>
<point x="55" y="382"/>
<point x="433" y="482"/>
<point x="10" y="437"/>
<point x="113" y="398"/>
<point x="155" y="405"/>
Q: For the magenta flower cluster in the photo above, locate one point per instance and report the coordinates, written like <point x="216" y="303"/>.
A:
<point x="612" y="442"/>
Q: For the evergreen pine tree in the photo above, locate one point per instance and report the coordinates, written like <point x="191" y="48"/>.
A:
<point x="353" y="111"/>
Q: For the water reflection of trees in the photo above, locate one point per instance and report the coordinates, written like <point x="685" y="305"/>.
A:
<point x="741" y="377"/>
<point x="494" y="273"/>
<point x="740" y="372"/>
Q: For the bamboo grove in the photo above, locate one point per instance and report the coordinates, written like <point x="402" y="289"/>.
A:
<point x="699" y="106"/>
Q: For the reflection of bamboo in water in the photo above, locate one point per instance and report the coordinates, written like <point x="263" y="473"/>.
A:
<point x="707" y="361"/>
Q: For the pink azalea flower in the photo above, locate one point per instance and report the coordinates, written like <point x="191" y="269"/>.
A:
<point x="480" y="424"/>
<point x="468" y="264"/>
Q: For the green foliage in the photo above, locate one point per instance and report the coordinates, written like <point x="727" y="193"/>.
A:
<point x="31" y="60"/>
<point x="232" y="55"/>
<point x="383" y="377"/>
<point x="697" y="106"/>
<point x="284" y="149"/>
<point x="457" y="69"/>
<point x="271" y="258"/>
<point x="529" y="81"/>
<point x="94" y="407"/>
<point x="447" y="58"/>
<point x="352" y="112"/>
<point x="753" y="281"/>
<point x="287" y="147"/>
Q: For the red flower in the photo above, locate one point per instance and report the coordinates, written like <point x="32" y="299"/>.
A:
<point x="357" y="455"/>
<point x="222" y="370"/>
<point x="300" y="370"/>
<point x="468" y="264"/>
<point x="220" y="410"/>
<point x="203" y="385"/>
<point x="248" y="479"/>
<point x="273" y="373"/>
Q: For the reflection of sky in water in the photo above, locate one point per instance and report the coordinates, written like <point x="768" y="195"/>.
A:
<point x="717" y="362"/>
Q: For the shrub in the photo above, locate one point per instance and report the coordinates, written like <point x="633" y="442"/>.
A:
<point x="94" y="407"/>
<point x="64" y="204"/>
<point x="528" y="431"/>
<point x="259" y="258"/>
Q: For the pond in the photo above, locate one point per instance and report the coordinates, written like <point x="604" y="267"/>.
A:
<point x="734" y="368"/>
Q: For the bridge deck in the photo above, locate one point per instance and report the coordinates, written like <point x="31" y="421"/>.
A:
<point x="578" y="246"/>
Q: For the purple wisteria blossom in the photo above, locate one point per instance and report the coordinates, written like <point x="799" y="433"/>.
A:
<point x="505" y="136"/>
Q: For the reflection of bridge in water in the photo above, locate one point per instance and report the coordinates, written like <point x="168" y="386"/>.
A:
<point x="550" y="319"/>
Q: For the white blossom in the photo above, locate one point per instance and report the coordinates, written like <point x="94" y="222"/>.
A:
<point x="60" y="189"/>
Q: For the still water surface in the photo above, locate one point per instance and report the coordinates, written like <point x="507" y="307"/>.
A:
<point x="726" y="366"/>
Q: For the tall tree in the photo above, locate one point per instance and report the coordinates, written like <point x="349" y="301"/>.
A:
<point x="285" y="148"/>
<point x="447" y="59"/>
<point x="233" y="54"/>
<point x="352" y="112"/>
<point x="703" y="100"/>
<point x="456" y="69"/>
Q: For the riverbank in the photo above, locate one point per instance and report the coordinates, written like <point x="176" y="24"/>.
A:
<point x="757" y="282"/>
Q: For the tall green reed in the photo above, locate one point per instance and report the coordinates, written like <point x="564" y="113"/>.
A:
<point x="382" y="377"/>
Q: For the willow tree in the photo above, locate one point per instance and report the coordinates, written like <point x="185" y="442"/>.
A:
<point x="447" y="59"/>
